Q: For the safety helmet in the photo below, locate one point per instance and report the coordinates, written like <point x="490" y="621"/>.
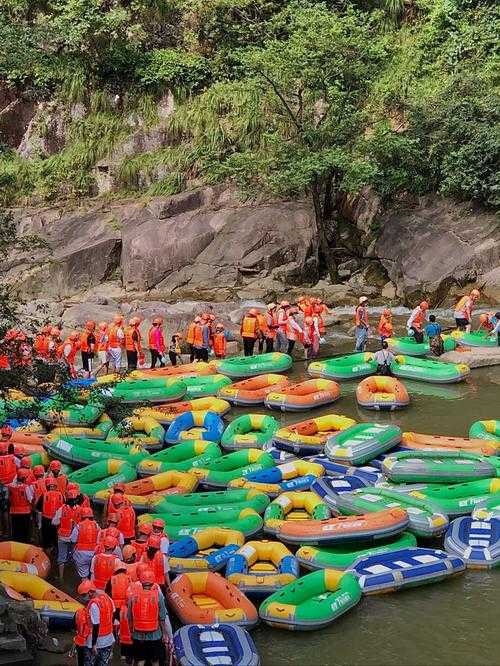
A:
<point x="71" y="494"/>
<point x="113" y="517"/>
<point x="55" y="466"/>
<point x="154" y="541"/>
<point x="386" y="312"/>
<point x="90" y="324"/>
<point x="38" y="471"/>
<point x="6" y="431"/>
<point x="128" y="552"/>
<point x="158" y="522"/>
<point x="271" y="306"/>
<point x="87" y="512"/>
<point x="141" y="568"/>
<point x="73" y="486"/>
<point x="26" y="462"/>
<point x="73" y="335"/>
<point x="85" y="587"/>
<point x="109" y="541"/>
<point x="158" y="321"/>
<point x="145" y="528"/>
<point x="22" y="474"/>
<point x="4" y="448"/>
<point x="219" y="326"/>
<point x="55" y="331"/>
<point x="147" y="577"/>
<point x="134" y="321"/>
<point x="50" y="482"/>
<point x="424" y="305"/>
<point x="362" y="299"/>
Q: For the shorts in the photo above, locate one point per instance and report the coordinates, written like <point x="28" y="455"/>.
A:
<point x="461" y="323"/>
<point x="63" y="551"/>
<point x="103" y="356"/>
<point x="148" y="650"/>
<point x="4" y="498"/>
<point x="115" y="357"/>
<point x="87" y="358"/>
<point x="126" y="650"/>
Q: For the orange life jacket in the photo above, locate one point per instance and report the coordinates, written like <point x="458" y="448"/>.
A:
<point x="220" y="344"/>
<point x="18" y="501"/>
<point x="130" y="343"/>
<point x="282" y="318"/>
<point x="102" y="341"/>
<point x="125" y="633"/>
<point x="271" y="324"/>
<point x="69" y="518"/>
<point x="39" y="488"/>
<point x="83" y="627"/>
<point x="87" y="535"/>
<point x="291" y="332"/>
<point x="249" y="327"/>
<point x="385" y="327"/>
<point x="84" y="340"/>
<point x="464" y="306"/>
<point x="113" y="340"/>
<point x="158" y="566"/>
<point x="52" y="500"/>
<point x="132" y="571"/>
<point x="107" y="531"/>
<point x="152" y="337"/>
<point x="62" y="482"/>
<point x="140" y="547"/>
<point x="361" y="316"/>
<point x="106" y="609"/>
<point x="119" y="585"/>
<point x="307" y="309"/>
<point x="190" y="333"/>
<point x="198" y="336"/>
<point x="70" y="358"/>
<point x="418" y="320"/>
<point x="41" y="345"/>
<point x="126" y="521"/>
<point x="262" y="322"/>
<point x="8" y="468"/>
<point x="104" y="565"/>
<point x="145" y="607"/>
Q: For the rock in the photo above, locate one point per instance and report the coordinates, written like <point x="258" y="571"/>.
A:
<point x="434" y="243"/>
<point x="12" y="642"/>
<point x="474" y="358"/>
<point x="388" y="291"/>
<point x="362" y="209"/>
<point x="47" y="131"/>
<point x="489" y="284"/>
<point x="16" y="114"/>
<point x="346" y="268"/>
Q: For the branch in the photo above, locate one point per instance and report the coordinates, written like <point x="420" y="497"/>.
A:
<point x="282" y="99"/>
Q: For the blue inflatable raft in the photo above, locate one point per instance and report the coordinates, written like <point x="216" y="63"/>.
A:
<point x="195" y="425"/>
<point x="214" y="645"/>
<point x="476" y="541"/>
<point x="408" y="567"/>
<point x="327" y="486"/>
<point x="370" y="474"/>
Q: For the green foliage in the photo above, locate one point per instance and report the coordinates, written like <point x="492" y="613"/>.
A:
<point x="171" y="68"/>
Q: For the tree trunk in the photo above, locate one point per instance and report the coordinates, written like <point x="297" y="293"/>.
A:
<point x="324" y="251"/>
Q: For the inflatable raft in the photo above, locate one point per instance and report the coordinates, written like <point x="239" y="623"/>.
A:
<point x="205" y="598"/>
<point x="81" y="452"/>
<point x="249" y="431"/>
<point x="370" y="475"/>
<point x="294" y="506"/>
<point x="408" y="567"/>
<point x="436" y="467"/>
<point x="328" y="486"/>
<point x="475" y="339"/>
<point x="204" y="386"/>
<point x="165" y="414"/>
<point x="415" y="441"/>
<point x="152" y="492"/>
<point x="486" y="430"/>
<point x="54" y="606"/>
<point x="459" y="498"/>
<point x="141" y="430"/>
<point x="382" y="393"/>
<point x="218" y="473"/>
<point x="351" y="366"/>
<point x="304" y="395"/>
<point x="486" y="509"/>
<point x="408" y="346"/>
<point x="308" y="437"/>
<point x="362" y="442"/>
<point x="181" y="457"/>
<point x="249" y="366"/>
<point x="312" y="602"/>
<point x="103" y="475"/>
<point x="56" y="412"/>
<point x="425" y="370"/>
<point x="213" y="501"/>
<point x="342" y="556"/>
<point x="99" y="430"/>
<point x="196" y="368"/>
<point x="425" y="519"/>
<point x="289" y="476"/>
<point x="195" y="425"/>
<point x="206" y="550"/>
<point x="259" y="568"/>
<point x="477" y="542"/>
<point x="23" y="558"/>
<point x="213" y="644"/>
<point x="157" y="389"/>
<point x="252" y="391"/>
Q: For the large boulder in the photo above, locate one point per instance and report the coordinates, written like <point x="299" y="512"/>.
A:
<point x="428" y="246"/>
<point x="490" y="284"/>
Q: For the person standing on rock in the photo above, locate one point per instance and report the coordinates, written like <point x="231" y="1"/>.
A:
<point x="133" y="347"/>
<point x="116" y="339"/>
<point x="102" y="346"/>
<point x="271" y="327"/>
<point x="201" y="340"/>
<point x="463" y="310"/>
<point x="415" y="323"/>
<point x="87" y="347"/>
<point x="361" y="324"/>
<point x="319" y="309"/>
<point x="69" y="350"/>
<point x="249" y="331"/>
<point x="293" y="331"/>
<point x="156" y="341"/>
<point x="282" y="316"/>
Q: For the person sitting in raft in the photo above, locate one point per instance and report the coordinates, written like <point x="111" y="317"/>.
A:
<point x="384" y="358"/>
<point x="416" y="320"/>
<point x="463" y="310"/>
<point x="487" y="321"/>
<point x="385" y="327"/>
<point x="361" y="324"/>
<point x="433" y="331"/>
<point x="174" y="349"/>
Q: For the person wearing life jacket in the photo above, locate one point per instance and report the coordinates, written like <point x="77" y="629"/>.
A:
<point x="118" y="584"/>
<point x="101" y="610"/>
<point x="81" y="499"/>
<point x="21" y="498"/>
<point x="126" y="516"/>
<point x="156" y="343"/>
<point x="416" y="321"/>
<point x="115" y="500"/>
<point x="84" y="537"/>
<point x="319" y="310"/>
<point x="174" y="349"/>
<point x="116" y="342"/>
<point x="65" y="519"/>
<point x="487" y="321"/>
<point x="9" y="464"/>
<point x="39" y="483"/>
<point x="88" y="347"/>
<point x="311" y="337"/>
<point x="103" y="564"/>
<point x="158" y="529"/>
<point x="101" y="346"/>
<point x="26" y="463"/>
<point x="361" y="327"/>
<point x="220" y="341"/>
<point x="271" y="327"/>
<point x="48" y="504"/>
<point x="282" y="321"/>
<point x="130" y="559"/>
<point x="83" y="625"/>
<point x="55" y="472"/>
<point x="190" y="337"/>
<point x="111" y="529"/>
<point x="69" y="350"/>
<point x="463" y="310"/>
<point x="55" y="345"/>
<point x="293" y="330"/>
<point x="263" y="330"/>
<point x="305" y="306"/>
<point x="133" y="345"/>
<point x="140" y="542"/>
<point x="385" y="327"/>
<point x="201" y="340"/>
<point x="249" y="331"/>
<point x="157" y="560"/>
<point x="41" y="343"/>
<point x="149" y="621"/>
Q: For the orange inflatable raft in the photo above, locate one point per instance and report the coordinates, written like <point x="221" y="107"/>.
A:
<point x="423" y="442"/>
<point x="26" y="439"/>
<point x="382" y="393"/>
<point x="165" y="414"/>
<point x="252" y="391"/>
<point x="208" y="598"/>
<point x="305" y="395"/>
<point x="23" y="558"/>
<point x="195" y="369"/>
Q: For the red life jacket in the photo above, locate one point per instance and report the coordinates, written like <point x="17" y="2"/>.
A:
<point x="8" y="468"/>
<point x="52" y="500"/>
<point x="106" y="609"/>
<point x="41" y="345"/>
<point x="119" y="585"/>
<point x="126" y="522"/>
<point x="83" y="627"/>
<point x="158" y="566"/>
<point x="114" y="341"/>
<point x="18" y="501"/>
<point x="132" y="332"/>
<point x="152" y="339"/>
<point x="145" y="607"/>
<point x="84" y="340"/>
<point x="220" y="344"/>
<point x="87" y="535"/>
<point x="125" y="633"/>
<point x="108" y="531"/>
<point x="39" y="488"/>
<point x="140" y="547"/>
<point x="104" y="565"/>
<point x="69" y="518"/>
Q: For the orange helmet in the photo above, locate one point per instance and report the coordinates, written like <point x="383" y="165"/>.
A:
<point x="85" y="587"/>
<point x="475" y="293"/>
<point x="158" y="522"/>
<point x="55" y="331"/>
<point x="90" y="324"/>
<point x="145" y="528"/>
<point x="26" y="462"/>
<point x="73" y="335"/>
<point x="71" y="493"/>
<point x="55" y="466"/>
<point x="424" y="305"/>
<point x="87" y="512"/>
<point x="38" y="471"/>
<point x="154" y="541"/>
<point x="110" y="542"/>
<point x="134" y="321"/>
<point x="4" y="448"/>
<point x="22" y="473"/>
<point x="158" y="321"/>
<point x="128" y="552"/>
<point x="74" y="486"/>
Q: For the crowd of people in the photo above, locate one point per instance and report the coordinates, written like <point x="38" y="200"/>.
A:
<point x="277" y="327"/>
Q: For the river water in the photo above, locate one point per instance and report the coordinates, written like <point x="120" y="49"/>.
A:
<point x="454" y="623"/>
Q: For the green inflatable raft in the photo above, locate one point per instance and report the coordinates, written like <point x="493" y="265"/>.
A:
<point x="425" y="370"/>
<point x="486" y="430"/>
<point x="238" y="498"/>
<point x="460" y="498"/>
<point x="186" y="522"/>
<point x="351" y="366"/>
<point x="141" y="430"/>
<point x="204" y="385"/>
<point x="102" y="475"/>
<point x="249" y="431"/>
<point x="475" y="339"/>
<point x="154" y="389"/>
<point x="249" y="366"/>
<point x="218" y="473"/>
<point x="409" y="347"/>
<point x="311" y="602"/>
<point x="362" y="442"/>
<point x="57" y="412"/>
<point x="343" y="555"/>
<point x="80" y="452"/>
<point x="437" y="467"/>
<point x="180" y="457"/>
